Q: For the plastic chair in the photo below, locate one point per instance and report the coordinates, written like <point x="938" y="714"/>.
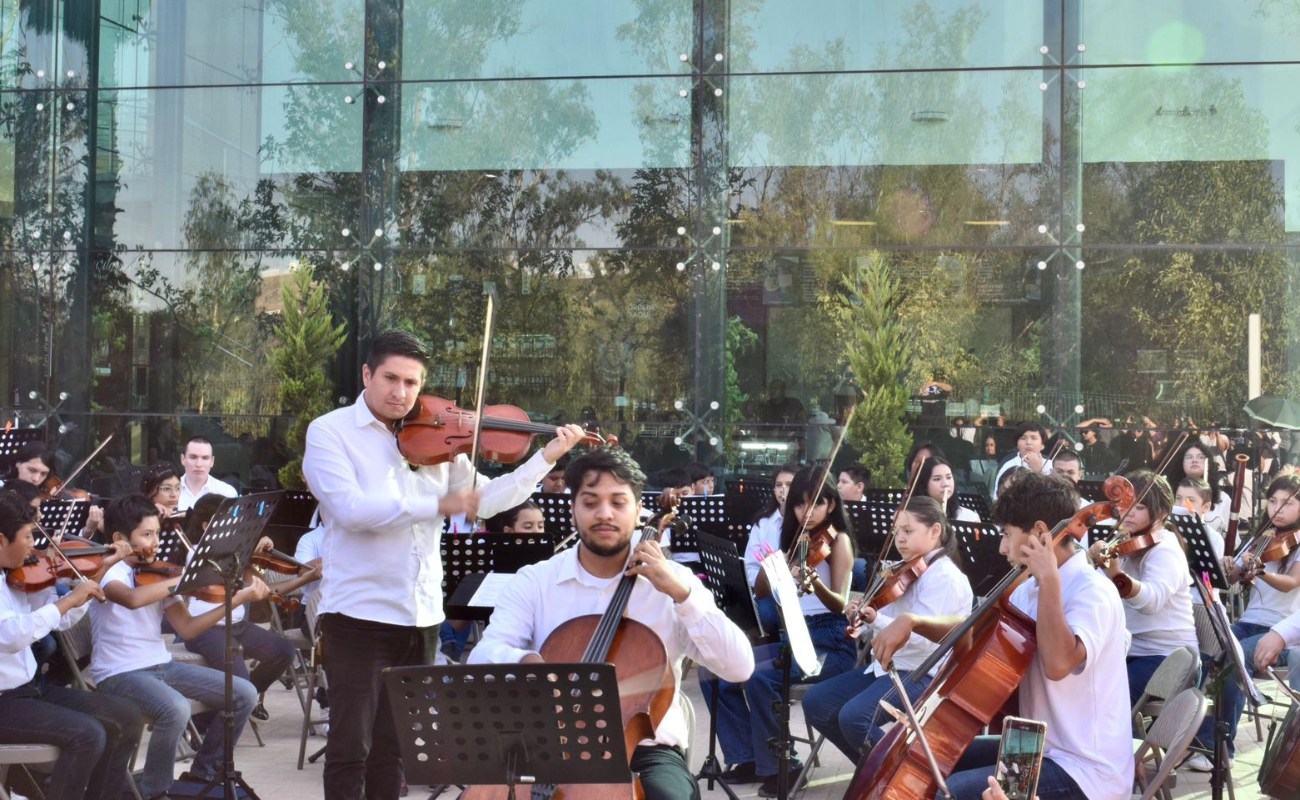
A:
<point x="1168" y="741"/>
<point x="315" y="678"/>
<point x="1176" y="673"/>
<point x="22" y="755"/>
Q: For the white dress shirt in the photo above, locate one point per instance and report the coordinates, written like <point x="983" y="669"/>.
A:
<point x="543" y="596"/>
<point x="126" y="639"/>
<point x="213" y="486"/>
<point x="1216" y="518"/>
<point x="1159" y="616"/>
<point x="383" y="531"/>
<point x="24" y="620"/>
<point x="942" y="590"/>
<point x="1289" y="630"/>
<point x="767" y="531"/>
<point x="1087" y="712"/>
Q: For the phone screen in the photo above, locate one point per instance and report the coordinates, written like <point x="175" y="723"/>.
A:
<point x="1020" y="757"/>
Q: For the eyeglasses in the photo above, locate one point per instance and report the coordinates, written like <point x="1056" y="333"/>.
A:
<point x="169" y="489"/>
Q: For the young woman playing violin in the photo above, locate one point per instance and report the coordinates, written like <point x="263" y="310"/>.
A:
<point x="846" y="708"/>
<point x="1149" y="570"/>
<point x="746" y="719"/>
<point x="1276" y="594"/>
<point x="544" y="602"/>
<point x="1076" y="680"/>
<point x="130" y="658"/>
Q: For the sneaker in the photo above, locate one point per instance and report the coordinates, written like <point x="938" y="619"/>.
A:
<point x="260" y="713"/>
<point x="1199" y="762"/>
<point x="769" y="786"/>
<point x="740" y="773"/>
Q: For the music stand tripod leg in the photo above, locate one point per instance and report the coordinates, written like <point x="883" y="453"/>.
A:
<point x="782" y="745"/>
<point x="711" y="770"/>
<point x="228" y="778"/>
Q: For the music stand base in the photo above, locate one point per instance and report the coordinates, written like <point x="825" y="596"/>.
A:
<point x="711" y="770"/>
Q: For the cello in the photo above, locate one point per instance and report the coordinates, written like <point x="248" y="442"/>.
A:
<point x="997" y="645"/>
<point x="1279" y="772"/>
<point x="646" y="686"/>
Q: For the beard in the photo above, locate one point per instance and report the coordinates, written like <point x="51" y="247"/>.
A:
<point x="620" y="547"/>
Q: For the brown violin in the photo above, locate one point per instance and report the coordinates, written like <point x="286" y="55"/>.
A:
<point x="893" y="583"/>
<point x="1129" y="544"/>
<point x="151" y="572"/>
<point x="436" y="431"/>
<point x="73" y="559"/>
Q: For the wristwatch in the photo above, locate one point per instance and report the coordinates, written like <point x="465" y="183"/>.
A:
<point x="1124" y="584"/>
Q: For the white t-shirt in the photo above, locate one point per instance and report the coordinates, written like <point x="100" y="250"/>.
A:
<point x="767" y="531"/>
<point x="197" y="606"/>
<point x="1267" y="605"/>
<point x="125" y="639"/>
<point x="941" y="591"/>
<point x="309" y="549"/>
<point x="1087" y="713"/>
<point x="1018" y="462"/>
<point x="1159" y="616"/>
<point x="1216" y="518"/>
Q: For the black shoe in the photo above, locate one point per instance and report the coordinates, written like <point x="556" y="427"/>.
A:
<point x="768" y="789"/>
<point x="740" y="773"/>
<point x="190" y="776"/>
<point x="260" y="713"/>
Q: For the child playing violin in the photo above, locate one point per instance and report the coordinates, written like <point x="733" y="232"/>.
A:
<point x="96" y="734"/>
<point x="846" y="708"/>
<point x="273" y="653"/>
<point x="130" y="659"/>
<point x="1276" y="597"/>
<point x="1153" y="584"/>
<point x="746" y="719"/>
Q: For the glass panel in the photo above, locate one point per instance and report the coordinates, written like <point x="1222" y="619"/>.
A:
<point x="1189" y="31"/>
<point x="242" y="168"/>
<point x="908" y="158"/>
<point x="227" y="42"/>
<point x="537" y="38"/>
<point x="1177" y="346"/>
<point x="27" y="126"/>
<point x="841" y="35"/>
<point x="1195" y="156"/>
<point x="26" y="44"/>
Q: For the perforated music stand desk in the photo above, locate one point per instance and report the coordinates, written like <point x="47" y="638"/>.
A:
<point x="227" y="545"/>
<point x="872" y="522"/>
<point x="500" y="724"/>
<point x="69" y="516"/>
<point x="976" y="503"/>
<point x="981" y="558"/>
<point x="13" y="439"/>
<point x="467" y="555"/>
<point x="722" y="515"/>
<point x="1201" y="560"/>
<point x="557" y="515"/>
<point x="724" y="573"/>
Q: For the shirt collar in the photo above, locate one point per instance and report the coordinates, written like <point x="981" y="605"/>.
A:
<point x="571" y="570"/>
<point x="361" y="412"/>
<point x="1073" y="566"/>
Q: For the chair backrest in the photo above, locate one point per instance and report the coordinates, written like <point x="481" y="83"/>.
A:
<point x="76" y="643"/>
<point x="1176" y="673"/>
<point x="1172" y="733"/>
<point x="1205" y="638"/>
<point x="313" y="603"/>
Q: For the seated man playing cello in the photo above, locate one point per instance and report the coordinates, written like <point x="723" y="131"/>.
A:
<point x="1077" y="681"/>
<point x="666" y="597"/>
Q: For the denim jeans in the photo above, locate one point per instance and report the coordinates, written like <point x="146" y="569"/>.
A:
<point x="272" y="652"/>
<point x="95" y="734"/>
<point x="1234" y="699"/>
<point x="362" y="755"/>
<point x="970" y="777"/>
<point x="846" y="708"/>
<point x="746" y="719"/>
<point x="163" y="694"/>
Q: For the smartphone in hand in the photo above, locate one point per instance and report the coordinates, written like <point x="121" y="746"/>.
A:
<point x="1020" y="757"/>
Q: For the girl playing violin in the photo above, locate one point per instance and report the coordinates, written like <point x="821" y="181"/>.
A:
<point x="1153" y="584"/>
<point x="1276" y="596"/>
<point x="746" y="719"/>
<point x="937" y="482"/>
<point x="846" y="708"/>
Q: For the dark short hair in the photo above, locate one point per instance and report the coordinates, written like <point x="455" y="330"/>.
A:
<point x="195" y="440"/>
<point x="125" y="514"/>
<point x="200" y="514"/>
<point x="858" y="473"/>
<point x="1011" y="476"/>
<point x="395" y="343"/>
<point x="1198" y="485"/>
<point x="1027" y="427"/>
<point x="1289" y="483"/>
<point x="697" y="471"/>
<point x="1160" y="499"/>
<point x="497" y="523"/>
<point x="1035" y="497"/>
<point x="30" y="450"/>
<point x="670" y="478"/>
<point x="560" y="464"/>
<point x="14" y="514"/>
<point x="605" y="461"/>
<point x="154" y="476"/>
<point x="1068" y="455"/>
<point x="27" y="491"/>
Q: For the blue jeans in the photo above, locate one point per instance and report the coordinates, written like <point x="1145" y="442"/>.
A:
<point x="970" y="777"/>
<point x="746" y="718"/>
<point x="1234" y="699"/>
<point x="846" y="709"/>
<point x="95" y="734"/>
<point x="272" y="652"/>
<point x="163" y="694"/>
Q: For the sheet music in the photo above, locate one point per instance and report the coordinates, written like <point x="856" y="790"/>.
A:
<point x="787" y="598"/>
<point x="485" y="596"/>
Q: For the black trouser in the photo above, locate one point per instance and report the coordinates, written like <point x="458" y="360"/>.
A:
<point x="362" y="757"/>
<point x="664" y="773"/>
<point x="95" y="733"/>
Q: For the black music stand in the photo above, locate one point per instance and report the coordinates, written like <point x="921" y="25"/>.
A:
<point x="976" y="503"/>
<point x="499" y="724"/>
<point x="468" y="554"/>
<point x="1202" y="563"/>
<point x="557" y="517"/>
<point x="13" y="439"/>
<point x="727" y="516"/>
<point x="69" y="516"/>
<point x="1092" y="491"/>
<point x="221" y="557"/>
<point x="981" y="559"/>
<point x="873" y="525"/>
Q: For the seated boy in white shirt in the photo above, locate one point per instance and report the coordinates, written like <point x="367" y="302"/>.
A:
<point x="666" y="597"/>
<point x="130" y="658"/>
<point x="1077" y="681"/>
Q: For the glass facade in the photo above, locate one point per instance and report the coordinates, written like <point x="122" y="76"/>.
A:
<point x="1083" y="201"/>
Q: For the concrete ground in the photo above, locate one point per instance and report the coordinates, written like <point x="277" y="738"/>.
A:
<point x="272" y="772"/>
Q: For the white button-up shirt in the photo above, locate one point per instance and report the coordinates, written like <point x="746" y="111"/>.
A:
<point x="543" y="596"/>
<point x="25" y="619"/>
<point x="767" y="531"/>
<point x="942" y="590"/>
<point x="213" y="486"/>
<point x="381" y="555"/>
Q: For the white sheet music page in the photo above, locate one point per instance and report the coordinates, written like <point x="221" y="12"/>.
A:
<point x="787" y="598"/>
<point x="485" y="596"/>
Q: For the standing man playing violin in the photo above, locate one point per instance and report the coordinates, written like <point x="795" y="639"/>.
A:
<point x="381" y="595"/>
<point x="1076" y="681"/>
<point x="606" y="486"/>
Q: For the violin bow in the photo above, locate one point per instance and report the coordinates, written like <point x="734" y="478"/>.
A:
<point x="85" y="463"/>
<point x="489" y="324"/>
<point x="801" y="539"/>
<point x="878" y="571"/>
<point x="1160" y="470"/>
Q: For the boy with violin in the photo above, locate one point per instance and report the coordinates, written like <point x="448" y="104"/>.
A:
<point x="130" y="658"/>
<point x="1076" y="680"/>
<point x="1152" y="581"/>
<point x="96" y="734"/>
<point x="665" y="596"/>
<point x="381" y="590"/>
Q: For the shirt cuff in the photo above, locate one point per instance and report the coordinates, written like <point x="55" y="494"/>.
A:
<point x="695" y="606"/>
<point x="1140" y="599"/>
<point x="47" y="618"/>
<point x="881" y="621"/>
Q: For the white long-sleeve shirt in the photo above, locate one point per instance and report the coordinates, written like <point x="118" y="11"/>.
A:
<point x="543" y="596"/>
<point x="1159" y="616"/>
<point x="767" y="531"/>
<point x="24" y="620"/>
<point x="1289" y="630"/>
<point x="941" y="591"/>
<point x="381" y="555"/>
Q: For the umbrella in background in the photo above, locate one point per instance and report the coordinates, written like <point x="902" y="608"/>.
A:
<point x="1276" y="411"/>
